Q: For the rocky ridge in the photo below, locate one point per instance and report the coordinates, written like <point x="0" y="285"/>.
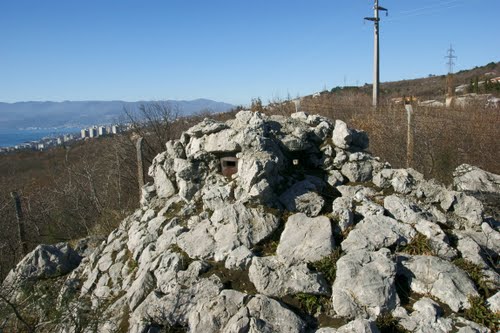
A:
<point x="311" y="234"/>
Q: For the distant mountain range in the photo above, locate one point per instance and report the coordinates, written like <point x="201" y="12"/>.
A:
<point x="85" y="113"/>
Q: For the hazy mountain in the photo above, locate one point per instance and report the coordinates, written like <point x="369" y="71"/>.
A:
<point x="83" y="113"/>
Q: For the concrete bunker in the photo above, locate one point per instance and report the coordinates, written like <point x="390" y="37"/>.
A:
<point x="229" y="165"/>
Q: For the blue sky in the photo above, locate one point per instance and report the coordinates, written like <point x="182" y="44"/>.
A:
<point x="229" y="51"/>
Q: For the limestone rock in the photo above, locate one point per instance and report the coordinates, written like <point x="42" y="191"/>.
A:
<point x="272" y="277"/>
<point x="206" y="127"/>
<point x="263" y="314"/>
<point x="305" y="239"/>
<point x="302" y="197"/>
<point x="439" y="278"/>
<point x="360" y="171"/>
<point x="212" y="315"/>
<point x="494" y="302"/>
<point x="343" y="212"/>
<point x="470" y="178"/>
<point x="239" y="258"/>
<point x="426" y="317"/>
<point x="376" y="232"/>
<point x="345" y="138"/>
<point x="354" y="326"/>
<point x="45" y="261"/>
<point x="364" y="285"/>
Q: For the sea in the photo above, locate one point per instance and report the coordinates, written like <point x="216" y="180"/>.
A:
<point x="12" y="137"/>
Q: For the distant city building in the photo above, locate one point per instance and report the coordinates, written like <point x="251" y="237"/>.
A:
<point x="60" y="140"/>
<point x="114" y="129"/>
<point x="92" y="132"/>
<point x="84" y="133"/>
<point x="41" y="146"/>
<point x="102" y="130"/>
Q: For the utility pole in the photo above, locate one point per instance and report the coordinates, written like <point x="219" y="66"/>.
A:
<point x="20" y="223"/>
<point x="449" y="78"/>
<point x="140" y="164"/>
<point x="376" y="51"/>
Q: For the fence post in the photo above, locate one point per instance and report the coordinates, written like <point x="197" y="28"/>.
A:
<point x="140" y="165"/>
<point x="409" y="135"/>
<point x="20" y="222"/>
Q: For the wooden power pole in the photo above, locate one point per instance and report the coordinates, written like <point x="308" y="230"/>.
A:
<point x="20" y="223"/>
<point x="140" y="165"/>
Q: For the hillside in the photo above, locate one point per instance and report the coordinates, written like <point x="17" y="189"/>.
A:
<point x="86" y="113"/>
<point x="267" y="223"/>
<point x="431" y="87"/>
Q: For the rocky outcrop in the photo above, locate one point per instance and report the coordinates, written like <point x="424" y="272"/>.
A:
<point x="310" y="226"/>
<point x="470" y="178"/>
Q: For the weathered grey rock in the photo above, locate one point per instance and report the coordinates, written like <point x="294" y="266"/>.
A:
<point x="360" y="171"/>
<point x="469" y="208"/>
<point x="302" y="116"/>
<point x="165" y="188"/>
<point x="175" y="303"/>
<point x="357" y="192"/>
<point x="206" y="127"/>
<point x="426" y="317"/>
<point x="45" y="261"/>
<point x="227" y="229"/>
<point x="342" y="136"/>
<point x="237" y="225"/>
<point x="212" y="315"/>
<point x="239" y="258"/>
<point x="254" y="167"/>
<point x="148" y="192"/>
<point x="175" y="149"/>
<point x="216" y="196"/>
<point x="222" y="142"/>
<point x="364" y="284"/>
<point x="467" y="326"/>
<point x="487" y="237"/>
<point x="303" y="198"/>
<point x="437" y="239"/>
<point x="472" y="252"/>
<point x="343" y="212"/>
<point x="402" y="180"/>
<point x="199" y="241"/>
<point x="376" y="232"/>
<point x="439" y="278"/>
<point x="494" y="302"/>
<point x="335" y="178"/>
<point x="141" y="287"/>
<point x="369" y="208"/>
<point x="345" y="138"/>
<point x="305" y="239"/>
<point x="403" y="209"/>
<point x="272" y="277"/>
<point x="470" y="178"/>
<point x="263" y="314"/>
<point x="354" y="326"/>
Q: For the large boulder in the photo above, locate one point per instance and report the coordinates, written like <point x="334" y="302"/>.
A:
<point x="305" y="239"/>
<point x="364" y="284"/>
<point x="263" y="314"/>
<point x="273" y="277"/>
<point x="376" y="232"/>
<point x="438" y="277"/>
<point x="44" y="262"/>
<point x="470" y="178"/>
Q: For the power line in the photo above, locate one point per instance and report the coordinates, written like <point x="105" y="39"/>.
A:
<point x="376" y="51"/>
